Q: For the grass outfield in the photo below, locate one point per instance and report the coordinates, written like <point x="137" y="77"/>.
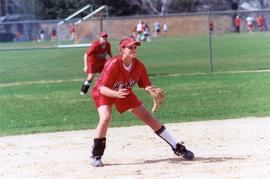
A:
<point x="39" y="89"/>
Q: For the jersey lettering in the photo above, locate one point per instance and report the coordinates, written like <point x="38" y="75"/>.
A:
<point x="121" y="85"/>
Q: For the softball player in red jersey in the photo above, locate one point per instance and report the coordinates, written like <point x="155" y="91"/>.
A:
<point x="94" y="59"/>
<point x="114" y="86"/>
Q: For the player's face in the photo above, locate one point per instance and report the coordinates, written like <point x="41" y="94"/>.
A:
<point x="131" y="51"/>
<point x="133" y="47"/>
<point x="103" y="40"/>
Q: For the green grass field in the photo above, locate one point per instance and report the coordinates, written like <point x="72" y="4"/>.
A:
<point x="39" y="89"/>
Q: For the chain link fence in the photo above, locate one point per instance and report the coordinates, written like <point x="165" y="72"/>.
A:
<point x="225" y="38"/>
<point x="239" y="40"/>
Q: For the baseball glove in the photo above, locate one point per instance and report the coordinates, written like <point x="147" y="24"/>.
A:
<point x="158" y="96"/>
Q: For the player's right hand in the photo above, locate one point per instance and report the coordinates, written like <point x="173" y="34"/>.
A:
<point x="122" y="93"/>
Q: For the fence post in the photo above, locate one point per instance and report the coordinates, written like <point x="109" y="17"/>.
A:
<point x="58" y="34"/>
<point x="210" y="45"/>
<point x="101" y="24"/>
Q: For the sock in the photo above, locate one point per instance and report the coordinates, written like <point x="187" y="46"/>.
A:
<point x="166" y="135"/>
<point x="99" y="147"/>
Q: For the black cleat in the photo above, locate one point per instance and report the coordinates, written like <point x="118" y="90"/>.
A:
<point x="181" y="150"/>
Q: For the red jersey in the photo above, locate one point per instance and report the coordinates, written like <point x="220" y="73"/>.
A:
<point x="115" y="76"/>
<point x="237" y="22"/>
<point x="72" y="29"/>
<point x="211" y="24"/>
<point x="260" y="21"/>
<point x="98" y="51"/>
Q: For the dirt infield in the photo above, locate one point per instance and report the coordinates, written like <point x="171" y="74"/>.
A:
<point x="238" y="148"/>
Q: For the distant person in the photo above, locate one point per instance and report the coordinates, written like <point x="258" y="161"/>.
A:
<point x="95" y="59"/>
<point x="260" y="22"/>
<point x="249" y="21"/>
<point x="72" y="31"/>
<point x="211" y="25"/>
<point x="146" y="32"/>
<point x="53" y="34"/>
<point x="157" y="28"/>
<point x="165" y="28"/>
<point x="18" y="36"/>
<point x="237" y="23"/>
<point x="42" y="35"/>
<point x="139" y="30"/>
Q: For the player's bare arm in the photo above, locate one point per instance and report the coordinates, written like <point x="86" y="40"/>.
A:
<point x="85" y="63"/>
<point x="121" y="93"/>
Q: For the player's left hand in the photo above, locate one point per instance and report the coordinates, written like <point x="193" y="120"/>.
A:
<point x="158" y="96"/>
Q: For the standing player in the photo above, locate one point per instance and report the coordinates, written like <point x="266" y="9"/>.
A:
<point x="53" y="34"/>
<point x="260" y="22"/>
<point x="72" y="31"/>
<point x="237" y="23"/>
<point x="211" y="25"/>
<point x="250" y="20"/>
<point x="156" y="28"/>
<point x="94" y="59"/>
<point x="114" y="86"/>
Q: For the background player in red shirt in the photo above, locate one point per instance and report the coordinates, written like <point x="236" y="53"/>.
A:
<point x="211" y="25"/>
<point x="260" y="22"/>
<point x="94" y="59"/>
<point x="237" y="23"/>
<point x="114" y="86"/>
<point x="72" y="31"/>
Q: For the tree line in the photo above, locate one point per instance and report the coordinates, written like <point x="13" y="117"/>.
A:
<point x="59" y="9"/>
